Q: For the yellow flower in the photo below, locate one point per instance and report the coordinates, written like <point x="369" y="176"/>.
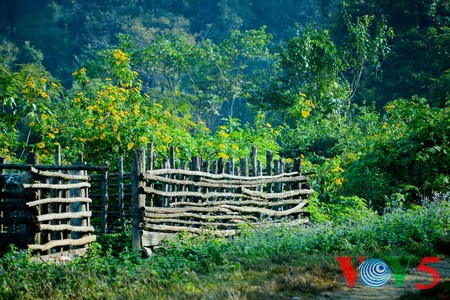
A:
<point x="130" y="145"/>
<point x="32" y="124"/>
<point x="384" y="125"/>
<point x="44" y="117"/>
<point x="51" y="135"/>
<point x="102" y="126"/>
<point x="41" y="145"/>
<point x="288" y="160"/>
<point x="144" y="139"/>
<point x="90" y="122"/>
<point x="302" y="94"/>
<point x="305" y="113"/>
<point x="338" y="181"/>
<point x="167" y="139"/>
<point x="102" y="136"/>
<point x="115" y="128"/>
<point x="268" y="125"/>
<point x="223" y="134"/>
<point x="222" y="146"/>
<point x="390" y="107"/>
<point x="42" y="94"/>
<point x="223" y="127"/>
<point x="210" y="144"/>
<point x="223" y="155"/>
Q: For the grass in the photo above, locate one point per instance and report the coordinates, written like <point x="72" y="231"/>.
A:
<point x="260" y="263"/>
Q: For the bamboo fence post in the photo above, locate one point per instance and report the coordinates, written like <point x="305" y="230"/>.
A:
<point x="151" y="156"/>
<point x="121" y="193"/>
<point x="253" y="163"/>
<point x="172" y="157"/>
<point x="269" y="157"/>
<point x="220" y="166"/>
<point x="244" y="166"/>
<point x="138" y="200"/>
<point x="58" y="193"/>
<point x="167" y="187"/>
<point x="196" y="165"/>
<point x="104" y="201"/>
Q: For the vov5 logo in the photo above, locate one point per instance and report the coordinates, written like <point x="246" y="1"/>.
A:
<point x="376" y="272"/>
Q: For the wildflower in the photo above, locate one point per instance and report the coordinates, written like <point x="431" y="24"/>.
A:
<point x="268" y="125"/>
<point x="223" y="134"/>
<point x="44" y="117"/>
<point x="305" y="113"/>
<point x="210" y="144"/>
<point x="144" y="139"/>
<point x="302" y="94"/>
<point x="90" y="122"/>
<point x="41" y="145"/>
<point x="288" y="160"/>
<point x="384" y="125"/>
<point x="235" y="147"/>
<point x="223" y="155"/>
<point x="338" y="181"/>
<point x="32" y="124"/>
<point x="42" y="94"/>
<point x="130" y="146"/>
<point x="222" y="146"/>
<point x="390" y="107"/>
<point x="51" y="135"/>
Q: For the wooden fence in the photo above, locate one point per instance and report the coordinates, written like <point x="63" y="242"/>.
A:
<point x="62" y="208"/>
<point x="46" y="208"/>
<point x="215" y="197"/>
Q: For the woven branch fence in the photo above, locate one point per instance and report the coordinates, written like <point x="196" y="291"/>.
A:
<point x="46" y="208"/>
<point x="214" y="197"/>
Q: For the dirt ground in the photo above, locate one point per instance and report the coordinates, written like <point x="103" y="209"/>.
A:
<point x="391" y="291"/>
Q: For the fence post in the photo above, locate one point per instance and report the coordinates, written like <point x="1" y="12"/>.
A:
<point x="104" y="201"/>
<point x="253" y="162"/>
<point x="138" y="200"/>
<point x="121" y="193"/>
<point x="244" y="166"/>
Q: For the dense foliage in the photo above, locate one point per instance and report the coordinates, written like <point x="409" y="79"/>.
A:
<point x="358" y="89"/>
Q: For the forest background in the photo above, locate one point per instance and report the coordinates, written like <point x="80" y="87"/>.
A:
<point x="358" y="89"/>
